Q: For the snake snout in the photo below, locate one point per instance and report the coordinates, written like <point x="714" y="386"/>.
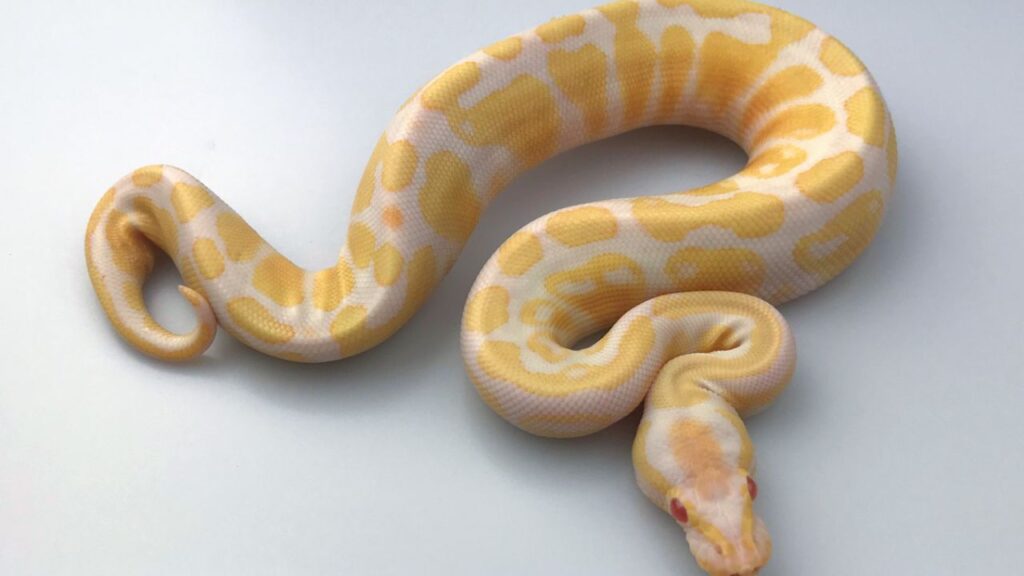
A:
<point x="739" y="557"/>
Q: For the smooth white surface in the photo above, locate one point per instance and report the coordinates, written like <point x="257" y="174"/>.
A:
<point x="898" y="449"/>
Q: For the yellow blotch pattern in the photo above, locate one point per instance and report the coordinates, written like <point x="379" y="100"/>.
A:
<point x="583" y="225"/>
<point x="502" y="361"/>
<point x="132" y="297"/>
<point x="443" y="93"/>
<point x="332" y="285"/>
<point x="507" y="49"/>
<point x="747" y="214"/>
<point x="729" y="67"/>
<point x="675" y="61"/>
<point x="521" y="116"/>
<point x="519" y="253"/>
<point x="732" y="269"/>
<point x="487" y="310"/>
<point x="838" y="59"/>
<point x="714" y="189"/>
<point x="635" y="58"/>
<point x="208" y="258"/>
<point x="641" y="464"/>
<point x="387" y="265"/>
<point x="157" y="224"/>
<point x="447" y="199"/>
<point x="799" y="122"/>
<point x="368" y="182"/>
<point x="279" y="279"/>
<point x="148" y="175"/>
<point x="392" y="217"/>
<point x="828" y="180"/>
<point x="696" y="448"/>
<point x="100" y="211"/>
<point x="257" y="321"/>
<point x="603" y="288"/>
<point x="561" y="28"/>
<point x="189" y="200"/>
<point x="541" y="344"/>
<point x="361" y="244"/>
<point x="775" y="161"/>
<point x="792" y="83"/>
<point x="349" y="328"/>
<point x="865" y="116"/>
<point x="837" y="244"/>
<point x="891" y="154"/>
<point x="128" y="248"/>
<point x="240" y="241"/>
<point x="582" y="76"/>
<point x="549" y="314"/>
<point x="399" y="165"/>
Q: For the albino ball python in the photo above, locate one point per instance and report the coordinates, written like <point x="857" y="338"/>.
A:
<point x="678" y="278"/>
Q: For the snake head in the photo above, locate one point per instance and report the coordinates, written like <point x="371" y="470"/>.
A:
<point x="716" y="510"/>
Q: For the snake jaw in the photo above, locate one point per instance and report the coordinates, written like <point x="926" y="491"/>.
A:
<point x="745" y="559"/>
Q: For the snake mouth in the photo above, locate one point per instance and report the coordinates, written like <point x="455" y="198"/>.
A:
<point x="732" y="558"/>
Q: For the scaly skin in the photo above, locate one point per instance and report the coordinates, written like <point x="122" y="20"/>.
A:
<point x="823" y="163"/>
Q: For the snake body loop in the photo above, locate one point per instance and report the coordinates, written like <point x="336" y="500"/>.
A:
<point x="683" y="280"/>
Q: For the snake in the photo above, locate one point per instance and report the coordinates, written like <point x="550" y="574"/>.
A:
<point x="683" y="286"/>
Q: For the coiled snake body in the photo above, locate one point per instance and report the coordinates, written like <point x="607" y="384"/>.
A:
<point x="683" y="280"/>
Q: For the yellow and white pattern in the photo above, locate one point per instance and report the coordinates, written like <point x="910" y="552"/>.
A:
<point x="683" y="280"/>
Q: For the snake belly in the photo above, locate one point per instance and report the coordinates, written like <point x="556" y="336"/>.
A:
<point x="683" y="283"/>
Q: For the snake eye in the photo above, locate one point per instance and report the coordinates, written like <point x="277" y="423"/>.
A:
<point x="752" y="488"/>
<point x="679" y="512"/>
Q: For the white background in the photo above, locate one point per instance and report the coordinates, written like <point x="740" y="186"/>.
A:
<point x="899" y="447"/>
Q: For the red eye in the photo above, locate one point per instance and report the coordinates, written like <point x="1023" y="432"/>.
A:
<point x="679" y="511"/>
<point x="752" y="488"/>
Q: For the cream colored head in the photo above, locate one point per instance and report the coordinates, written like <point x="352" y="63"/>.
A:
<point x="716" y="510"/>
